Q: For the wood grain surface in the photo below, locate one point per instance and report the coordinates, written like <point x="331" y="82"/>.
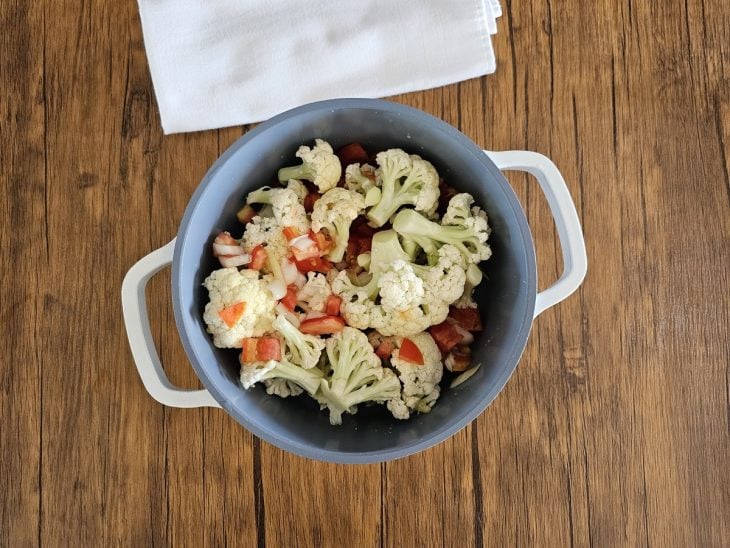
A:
<point x="615" y="428"/>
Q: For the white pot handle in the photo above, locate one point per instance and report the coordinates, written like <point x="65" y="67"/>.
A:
<point x="575" y="259"/>
<point x="134" y="307"/>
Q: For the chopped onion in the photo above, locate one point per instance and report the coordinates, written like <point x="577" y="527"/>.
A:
<point x="234" y="260"/>
<point x="278" y="289"/>
<point x="303" y="242"/>
<point x="300" y="280"/>
<point x="223" y="249"/>
<point x="291" y="317"/>
<point x="466" y="336"/>
<point x="289" y="271"/>
<point x="465" y="376"/>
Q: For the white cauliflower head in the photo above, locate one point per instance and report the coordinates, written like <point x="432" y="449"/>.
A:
<point x="420" y="382"/>
<point x="299" y="188"/>
<point x="227" y="287"/>
<point x="334" y="212"/>
<point x="312" y="297"/>
<point x="400" y="287"/>
<point x="286" y="207"/>
<point x="319" y="164"/>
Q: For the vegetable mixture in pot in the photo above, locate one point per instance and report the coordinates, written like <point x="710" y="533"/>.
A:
<point x="354" y="287"/>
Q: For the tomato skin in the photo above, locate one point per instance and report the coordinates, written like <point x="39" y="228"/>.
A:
<point x="384" y="350"/>
<point x="309" y="201"/>
<point x="290" y="299"/>
<point x="409" y="352"/>
<point x="445" y="335"/>
<point x="332" y="307"/>
<point x="290" y="232"/>
<point x="258" y="258"/>
<point x="231" y="314"/>
<point x="468" y="318"/>
<point x="260" y="349"/>
<point x="313" y="264"/>
<point x="353" y="153"/>
<point x="324" y="325"/>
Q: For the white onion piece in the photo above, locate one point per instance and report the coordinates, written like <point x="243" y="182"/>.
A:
<point x="466" y="336"/>
<point x="465" y="376"/>
<point x="278" y="289"/>
<point x="290" y="316"/>
<point x="314" y="314"/>
<point x="303" y="242"/>
<point x="300" y="280"/>
<point x="223" y="249"/>
<point x="234" y="260"/>
<point x="289" y="271"/>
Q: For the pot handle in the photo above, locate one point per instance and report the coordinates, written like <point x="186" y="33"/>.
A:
<point x="134" y="308"/>
<point x="575" y="259"/>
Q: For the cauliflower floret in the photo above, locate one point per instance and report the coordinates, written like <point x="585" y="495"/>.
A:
<point x="308" y="379"/>
<point x="282" y="387"/>
<point x="404" y="180"/>
<point x="300" y="349"/>
<point x="362" y="179"/>
<point x="335" y="211"/>
<point x="473" y="278"/>
<point x="286" y="207"/>
<point x="299" y="189"/>
<point x="229" y="286"/>
<point x="312" y="297"/>
<point x="400" y="287"/>
<point x="319" y="164"/>
<point x="445" y="280"/>
<point x="420" y="382"/>
<point x="264" y="231"/>
<point x="402" y="323"/>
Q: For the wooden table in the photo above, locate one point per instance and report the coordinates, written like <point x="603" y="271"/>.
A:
<point x="614" y="429"/>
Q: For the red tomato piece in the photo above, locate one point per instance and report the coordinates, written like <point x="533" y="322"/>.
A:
<point x="409" y="352"/>
<point x="445" y="335"/>
<point x="352" y="154"/>
<point x="245" y="214"/>
<point x="309" y="201"/>
<point x="248" y="350"/>
<point x="290" y="299"/>
<point x="322" y="241"/>
<point x="324" y="325"/>
<point x="258" y="258"/>
<point x="468" y="318"/>
<point x="268" y="348"/>
<point x="290" y="232"/>
<point x="361" y="228"/>
<point x="332" y="306"/>
<point x="384" y="350"/>
<point x="231" y="314"/>
<point x="459" y="359"/>
<point x="313" y="264"/>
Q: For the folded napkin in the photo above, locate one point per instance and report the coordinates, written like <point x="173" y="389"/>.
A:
<point x="218" y="63"/>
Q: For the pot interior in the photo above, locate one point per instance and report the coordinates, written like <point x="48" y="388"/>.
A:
<point x="506" y="296"/>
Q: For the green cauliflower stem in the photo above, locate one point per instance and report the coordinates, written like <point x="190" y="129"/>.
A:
<point x="320" y="165"/>
<point x="356" y="375"/>
<point x="404" y="180"/>
<point x="469" y="238"/>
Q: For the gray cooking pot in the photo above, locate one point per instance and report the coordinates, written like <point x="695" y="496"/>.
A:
<point x="508" y="298"/>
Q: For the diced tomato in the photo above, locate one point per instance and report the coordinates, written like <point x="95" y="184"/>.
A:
<point x="468" y="318"/>
<point x="313" y="264"/>
<point x="231" y="314"/>
<point x="332" y="307"/>
<point x="258" y="258"/>
<point x="245" y="214"/>
<point x="260" y="349"/>
<point x="268" y="348"/>
<point x="445" y="335"/>
<point x="290" y="299"/>
<point x="459" y="359"/>
<point x="352" y="154"/>
<point x="385" y="349"/>
<point x="309" y="201"/>
<point x="324" y="325"/>
<point x="409" y="352"/>
<point x="322" y="241"/>
<point x="290" y="232"/>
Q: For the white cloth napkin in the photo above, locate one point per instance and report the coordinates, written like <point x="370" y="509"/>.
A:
<point x="218" y="63"/>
